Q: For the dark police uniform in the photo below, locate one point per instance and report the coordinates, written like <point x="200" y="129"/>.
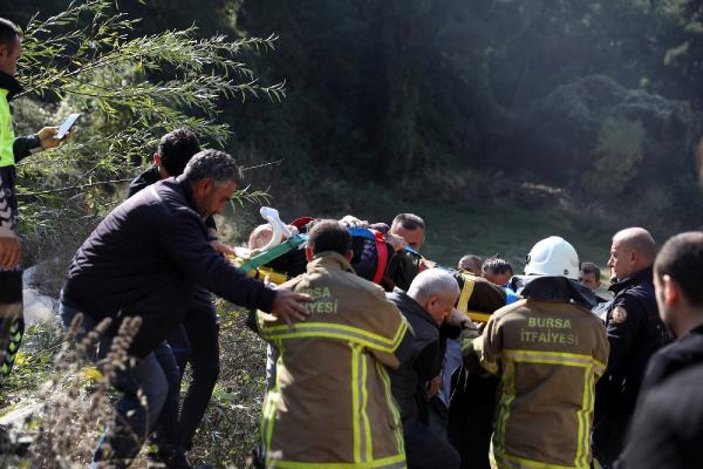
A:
<point x="635" y="333"/>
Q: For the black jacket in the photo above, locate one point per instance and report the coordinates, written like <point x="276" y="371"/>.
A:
<point x="633" y="340"/>
<point x="150" y="176"/>
<point x="146" y="259"/>
<point x="667" y="429"/>
<point x="670" y="360"/>
<point x="423" y="362"/>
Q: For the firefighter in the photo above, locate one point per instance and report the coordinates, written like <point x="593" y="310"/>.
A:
<point x="330" y="403"/>
<point x="548" y="350"/>
<point x="635" y="332"/>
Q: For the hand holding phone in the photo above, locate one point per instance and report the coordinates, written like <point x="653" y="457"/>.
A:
<point x="66" y="125"/>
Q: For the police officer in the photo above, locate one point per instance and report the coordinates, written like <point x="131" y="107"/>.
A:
<point x="635" y="332"/>
<point x="12" y="150"/>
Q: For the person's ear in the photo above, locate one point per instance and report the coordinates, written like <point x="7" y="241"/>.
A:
<point x="350" y="255"/>
<point x="202" y="187"/>
<point x="672" y="294"/>
<point x="205" y="185"/>
<point x="431" y="303"/>
<point x="308" y="253"/>
<point x="157" y="159"/>
<point x="3" y="50"/>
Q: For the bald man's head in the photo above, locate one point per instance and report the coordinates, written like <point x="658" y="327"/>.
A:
<point x="437" y="291"/>
<point x="632" y="250"/>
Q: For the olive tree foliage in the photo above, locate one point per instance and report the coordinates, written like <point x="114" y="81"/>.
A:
<point x="130" y="90"/>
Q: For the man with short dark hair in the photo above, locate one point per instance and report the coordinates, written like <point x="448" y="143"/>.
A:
<point x="406" y="263"/>
<point x="679" y="290"/>
<point x="173" y="153"/>
<point x="330" y="404"/>
<point x="666" y="430"/>
<point x="147" y="258"/>
<point x="411" y="228"/>
<point x="12" y="150"/>
<point x="589" y="276"/>
<point x="635" y="333"/>
<point x="497" y="270"/>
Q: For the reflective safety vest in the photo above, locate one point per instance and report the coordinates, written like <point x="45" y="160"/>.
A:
<point x="331" y="403"/>
<point x="548" y="356"/>
<point x="7" y="134"/>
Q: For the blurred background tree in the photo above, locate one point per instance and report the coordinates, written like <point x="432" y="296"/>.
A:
<point x="415" y="97"/>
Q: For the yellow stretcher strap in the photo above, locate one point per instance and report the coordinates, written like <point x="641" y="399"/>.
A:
<point x="259" y="273"/>
<point x="477" y="316"/>
<point x="466" y="292"/>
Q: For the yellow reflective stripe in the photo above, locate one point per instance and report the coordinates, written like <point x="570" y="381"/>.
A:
<point x="390" y="402"/>
<point x="392" y="462"/>
<point x="268" y="420"/>
<point x="269" y="411"/>
<point x="466" y="292"/>
<point x="551" y="358"/>
<point x="516" y="462"/>
<point x="365" y="422"/>
<point x="356" y="430"/>
<point x="584" y="414"/>
<point x="336" y="331"/>
<point x="506" y="399"/>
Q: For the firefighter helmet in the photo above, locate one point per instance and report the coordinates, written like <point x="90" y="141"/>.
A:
<point x="553" y="256"/>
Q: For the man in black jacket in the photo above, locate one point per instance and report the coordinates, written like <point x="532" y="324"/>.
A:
<point x="12" y="150"/>
<point x="679" y="290"/>
<point x="196" y="341"/>
<point x="147" y="258"/>
<point x="667" y="428"/>
<point x="635" y="332"/>
<point x="429" y="300"/>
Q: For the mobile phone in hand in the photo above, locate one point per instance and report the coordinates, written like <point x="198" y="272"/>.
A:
<point x="66" y="125"/>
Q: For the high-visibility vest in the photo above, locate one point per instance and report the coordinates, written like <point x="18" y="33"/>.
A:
<point x="7" y="134"/>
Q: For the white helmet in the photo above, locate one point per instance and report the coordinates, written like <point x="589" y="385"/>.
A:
<point x="553" y="256"/>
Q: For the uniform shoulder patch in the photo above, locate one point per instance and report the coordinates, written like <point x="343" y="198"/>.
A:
<point x="619" y="315"/>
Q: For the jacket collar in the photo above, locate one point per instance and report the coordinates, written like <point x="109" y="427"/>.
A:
<point x="187" y="191"/>
<point x="10" y="84"/>
<point x="548" y="288"/>
<point x="330" y="260"/>
<point x="644" y="275"/>
<point x="413" y="306"/>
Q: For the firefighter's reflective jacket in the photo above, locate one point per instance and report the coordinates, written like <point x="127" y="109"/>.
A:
<point x="548" y="355"/>
<point x="331" y="404"/>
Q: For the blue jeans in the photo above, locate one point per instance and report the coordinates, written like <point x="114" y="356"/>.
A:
<point x="156" y="375"/>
